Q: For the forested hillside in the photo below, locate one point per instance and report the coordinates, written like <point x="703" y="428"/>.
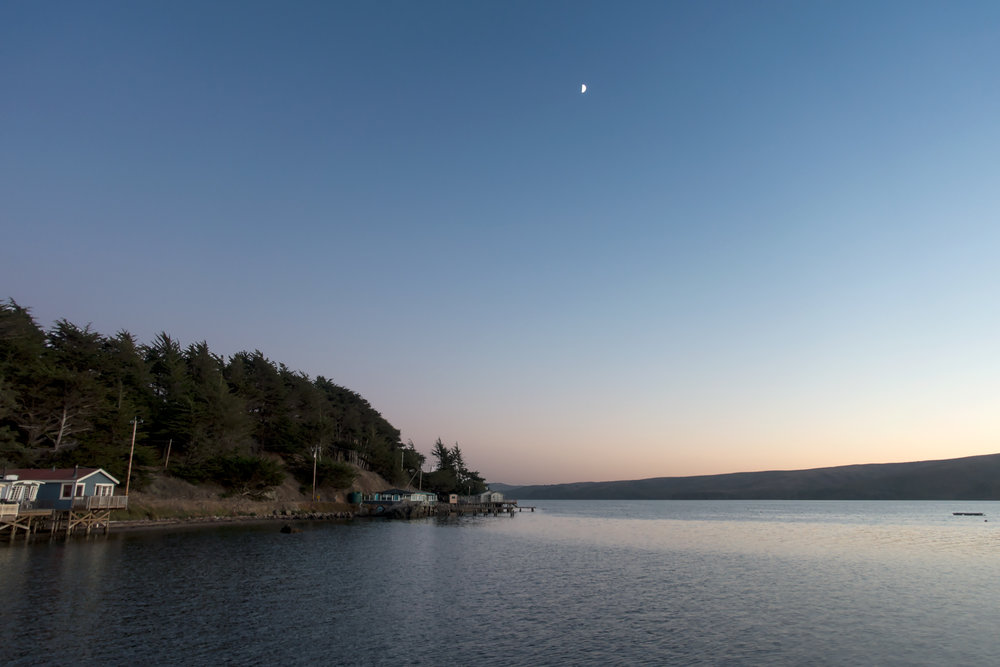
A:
<point x="71" y="395"/>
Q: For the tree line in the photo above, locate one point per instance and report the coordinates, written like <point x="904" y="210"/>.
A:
<point x="451" y="474"/>
<point x="72" y="396"/>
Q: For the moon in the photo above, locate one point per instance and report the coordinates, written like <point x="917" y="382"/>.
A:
<point x="583" y="88"/>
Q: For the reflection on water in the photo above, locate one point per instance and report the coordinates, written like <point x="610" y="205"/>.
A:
<point x="579" y="582"/>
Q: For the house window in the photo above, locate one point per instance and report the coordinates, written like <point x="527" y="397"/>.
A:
<point x="104" y="489"/>
<point x="67" y="491"/>
<point x="79" y="490"/>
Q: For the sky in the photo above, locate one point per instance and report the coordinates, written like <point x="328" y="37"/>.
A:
<point x="766" y="237"/>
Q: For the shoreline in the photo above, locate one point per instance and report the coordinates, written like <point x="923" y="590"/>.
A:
<point x="134" y="525"/>
<point x="119" y="526"/>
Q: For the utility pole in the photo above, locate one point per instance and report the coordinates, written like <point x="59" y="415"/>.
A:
<point x="315" y="455"/>
<point x="131" y="453"/>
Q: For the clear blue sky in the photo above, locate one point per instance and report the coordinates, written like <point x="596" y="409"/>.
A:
<point x="766" y="237"/>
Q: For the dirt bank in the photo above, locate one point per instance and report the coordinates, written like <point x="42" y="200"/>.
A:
<point x="167" y="498"/>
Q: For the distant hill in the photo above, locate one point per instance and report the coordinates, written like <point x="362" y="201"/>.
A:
<point x="969" y="478"/>
<point x="504" y="488"/>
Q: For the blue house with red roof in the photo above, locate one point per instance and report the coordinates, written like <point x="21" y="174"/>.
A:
<point x="69" y="488"/>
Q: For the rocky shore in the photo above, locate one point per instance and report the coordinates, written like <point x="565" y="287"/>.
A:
<point x="276" y="516"/>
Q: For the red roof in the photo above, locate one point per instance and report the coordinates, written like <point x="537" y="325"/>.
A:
<point x="50" y="475"/>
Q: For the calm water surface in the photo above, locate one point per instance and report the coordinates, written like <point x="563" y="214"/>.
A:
<point x="577" y="582"/>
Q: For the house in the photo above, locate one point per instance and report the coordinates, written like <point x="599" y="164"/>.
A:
<point x="423" y="497"/>
<point x="483" y="498"/>
<point x="387" y="496"/>
<point x="66" y="488"/>
<point x="401" y="495"/>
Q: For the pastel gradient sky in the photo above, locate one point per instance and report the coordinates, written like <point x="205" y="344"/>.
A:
<point x="768" y="236"/>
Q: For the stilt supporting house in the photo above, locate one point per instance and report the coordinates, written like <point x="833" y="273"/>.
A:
<point x="87" y="514"/>
<point x="68" y="521"/>
<point x="14" y="520"/>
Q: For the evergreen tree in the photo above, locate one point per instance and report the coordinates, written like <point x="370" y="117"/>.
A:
<point x="26" y="411"/>
<point x="76" y="390"/>
<point x="129" y="385"/>
<point x="259" y="383"/>
<point x="443" y="456"/>
<point x="171" y="407"/>
<point x="122" y="390"/>
<point x="452" y="475"/>
<point x="219" y="421"/>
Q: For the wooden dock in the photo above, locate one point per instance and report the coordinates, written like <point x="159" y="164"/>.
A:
<point x="86" y="515"/>
<point x="477" y="509"/>
<point x="412" y="510"/>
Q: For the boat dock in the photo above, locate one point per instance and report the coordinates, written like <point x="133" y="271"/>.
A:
<point x="477" y="509"/>
<point x="407" y="509"/>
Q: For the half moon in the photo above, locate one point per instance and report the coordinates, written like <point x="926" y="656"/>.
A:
<point x="583" y="88"/>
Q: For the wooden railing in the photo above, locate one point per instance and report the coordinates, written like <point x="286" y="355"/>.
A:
<point x="9" y="509"/>
<point x="101" y="502"/>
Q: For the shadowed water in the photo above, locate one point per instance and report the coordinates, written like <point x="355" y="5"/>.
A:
<point x="578" y="582"/>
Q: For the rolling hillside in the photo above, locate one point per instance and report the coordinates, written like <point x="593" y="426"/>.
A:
<point x="969" y="478"/>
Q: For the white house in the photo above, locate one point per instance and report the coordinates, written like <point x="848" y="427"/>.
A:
<point x="17" y="491"/>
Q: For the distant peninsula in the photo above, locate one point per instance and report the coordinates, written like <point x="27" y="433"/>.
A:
<point x="969" y="478"/>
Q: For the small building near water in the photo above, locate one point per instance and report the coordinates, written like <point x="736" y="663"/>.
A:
<point x="62" y="488"/>
<point x="401" y="495"/>
<point x="482" y="498"/>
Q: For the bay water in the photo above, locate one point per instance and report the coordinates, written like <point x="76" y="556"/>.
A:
<point x="573" y="583"/>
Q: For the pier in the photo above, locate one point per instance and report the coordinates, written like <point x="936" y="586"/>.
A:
<point x="408" y="509"/>
<point x="484" y="508"/>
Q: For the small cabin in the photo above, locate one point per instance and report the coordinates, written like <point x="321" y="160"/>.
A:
<point x="423" y="497"/>
<point x="483" y="498"/>
<point x="387" y="496"/>
<point x="68" y="488"/>
<point x="401" y="495"/>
